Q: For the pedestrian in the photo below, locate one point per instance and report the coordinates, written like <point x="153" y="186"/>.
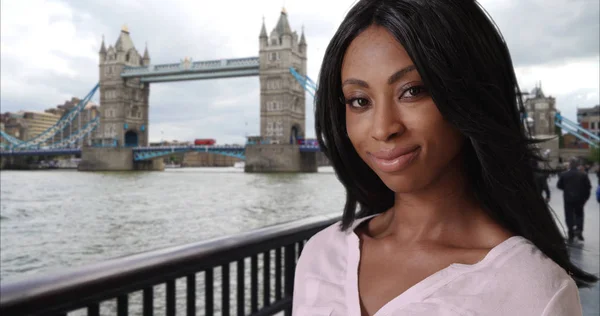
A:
<point x="576" y="187"/>
<point x="417" y="109"/>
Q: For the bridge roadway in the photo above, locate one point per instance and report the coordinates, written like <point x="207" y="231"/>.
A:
<point x="148" y="153"/>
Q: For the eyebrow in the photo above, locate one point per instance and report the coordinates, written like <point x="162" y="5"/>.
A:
<point x="393" y="78"/>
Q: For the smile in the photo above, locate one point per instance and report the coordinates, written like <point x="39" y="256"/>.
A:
<point x="394" y="160"/>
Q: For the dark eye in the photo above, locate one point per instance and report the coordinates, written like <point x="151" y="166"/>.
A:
<point x="358" y="102"/>
<point x="413" y="93"/>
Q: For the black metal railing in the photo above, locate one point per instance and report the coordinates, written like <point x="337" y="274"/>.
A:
<point x="178" y="280"/>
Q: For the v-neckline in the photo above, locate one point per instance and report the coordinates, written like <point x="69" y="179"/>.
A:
<point x="417" y="291"/>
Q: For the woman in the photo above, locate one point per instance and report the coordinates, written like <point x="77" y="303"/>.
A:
<point x="418" y="111"/>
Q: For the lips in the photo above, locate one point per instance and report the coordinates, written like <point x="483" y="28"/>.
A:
<point x="394" y="159"/>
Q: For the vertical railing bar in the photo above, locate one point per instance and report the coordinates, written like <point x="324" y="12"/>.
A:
<point x="225" y="289"/>
<point x="241" y="299"/>
<point x="290" y="267"/>
<point x="123" y="305"/>
<point x="266" y="278"/>
<point x="93" y="309"/>
<point x="278" y="273"/>
<point x="254" y="283"/>
<point x="171" y="306"/>
<point x="148" y="301"/>
<point x="208" y="292"/>
<point x="191" y="295"/>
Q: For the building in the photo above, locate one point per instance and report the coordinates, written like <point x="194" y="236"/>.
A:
<point x="570" y="141"/>
<point x="14" y="125"/>
<point x="37" y="123"/>
<point x="542" y="110"/>
<point x="282" y="101"/>
<point x="589" y="118"/>
<point x="26" y="125"/>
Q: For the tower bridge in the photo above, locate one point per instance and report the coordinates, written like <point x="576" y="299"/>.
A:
<point x="126" y="75"/>
<point x="121" y="134"/>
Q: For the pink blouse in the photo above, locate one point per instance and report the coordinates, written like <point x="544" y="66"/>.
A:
<point x="515" y="278"/>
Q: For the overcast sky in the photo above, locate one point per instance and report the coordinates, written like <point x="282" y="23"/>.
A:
<point x="49" y="53"/>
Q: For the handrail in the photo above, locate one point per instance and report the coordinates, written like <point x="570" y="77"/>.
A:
<point x="87" y="286"/>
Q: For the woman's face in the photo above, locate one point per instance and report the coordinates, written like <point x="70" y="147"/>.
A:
<point x="391" y="120"/>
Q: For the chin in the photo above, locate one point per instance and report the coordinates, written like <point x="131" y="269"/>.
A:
<point x="420" y="175"/>
<point x="404" y="183"/>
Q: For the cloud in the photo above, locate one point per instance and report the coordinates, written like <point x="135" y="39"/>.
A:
<point x="540" y="32"/>
<point x="50" y="54"/>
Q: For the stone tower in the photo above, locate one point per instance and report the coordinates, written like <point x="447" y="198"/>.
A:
<point x="123" y="102"/>
<point x="282" y="107"/>
<point x="542" y="110"/>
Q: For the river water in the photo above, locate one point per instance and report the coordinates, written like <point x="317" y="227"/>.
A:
<point x="59" y="218"/>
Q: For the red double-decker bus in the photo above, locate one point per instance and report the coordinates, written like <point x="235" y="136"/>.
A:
<point x="204" y="142"/>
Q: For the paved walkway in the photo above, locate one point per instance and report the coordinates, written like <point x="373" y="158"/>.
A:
<point x="586" y="254"/>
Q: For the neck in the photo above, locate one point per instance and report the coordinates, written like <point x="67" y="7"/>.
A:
<point x="446" y="205"/>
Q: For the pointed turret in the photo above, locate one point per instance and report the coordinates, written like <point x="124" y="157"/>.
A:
<point x="146" y="55"/>
<point x="146" y="58"/>
<point x="102" y="46"/>
<point x="263" y="38"/>
<point x="302" y="43"/>
<point x="102" y="51"/>
<point x="124" y="42"/>
<point x="263" y="30"/>
<point x="302" y="38"/>
<point x="283" y="26"/>
<point x="537" y="92"/>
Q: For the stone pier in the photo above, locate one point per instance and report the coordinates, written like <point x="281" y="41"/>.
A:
<point x="115" y="159"/>
<point x="279" y="158"/>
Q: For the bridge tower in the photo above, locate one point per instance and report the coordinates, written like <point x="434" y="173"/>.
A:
<point x="541" y="110"/>
<point x="282" y="107"/>
<point x="282" y="102"/>
<point x="123" y="101"/>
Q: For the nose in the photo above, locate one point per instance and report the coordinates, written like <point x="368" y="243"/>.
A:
<point x="386" y="123"/>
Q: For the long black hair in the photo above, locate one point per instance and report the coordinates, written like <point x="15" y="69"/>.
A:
<point x="465" y="64"/>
